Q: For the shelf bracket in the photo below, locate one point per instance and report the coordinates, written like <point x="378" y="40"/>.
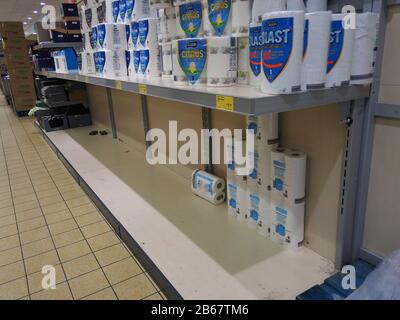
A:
<point x="111" y="112"/>
<point x="146" y="121"/>
<point x="206" y="124"/>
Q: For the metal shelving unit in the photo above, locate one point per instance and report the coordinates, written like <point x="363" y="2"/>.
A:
<point x="55" y="46"/>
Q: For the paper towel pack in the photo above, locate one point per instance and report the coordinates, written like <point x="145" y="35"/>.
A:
<point x="178" y="74"/>
<point x="148" y="33"/>
<point x="189" y="19"/>
<point x="150" y="63"/>
<point x="241" y="17"/>
<point x="110" y="63"/>
<point x="208" y="186"/>
<point x="256" y="43"/>
<point x="108" y="11"/>
<point x="219" y="14"/>
<point x="192" y="54"/>
<point x="316" y="5"/>
<point x="112" y="36"/>
<point x="166" y="53"/>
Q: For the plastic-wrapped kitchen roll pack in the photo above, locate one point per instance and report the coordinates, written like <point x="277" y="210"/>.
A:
<point x="208" y="187"/>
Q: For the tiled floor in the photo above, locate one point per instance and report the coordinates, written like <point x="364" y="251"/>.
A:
<point x="46" y="219"/>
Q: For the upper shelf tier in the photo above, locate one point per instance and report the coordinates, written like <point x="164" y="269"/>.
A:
<point x="55" y="45"/>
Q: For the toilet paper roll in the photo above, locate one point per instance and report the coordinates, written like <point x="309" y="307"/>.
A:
<point x="110" y="63"/>
<point x="260" y="7"/>
<point x="254" y="209"/>
<point x="166" y="53"/>
<point x="206" y="21"/>
<point x="243" y="74"/>
<point x="179" y="76"/>
<point x="316" y="5"/>
<point x="141" y="10"/>
<point x="160" y="4"/>
<point x="148" y="33"/>
<point x="207" y="183"/>
<point x="93" y="39"/>
<point x="340" y="53"/>
<point x="192" y="54"/>
<point x="287" y="227"/>
<point x="216" y="199"/>
<point x="256" y="43"/>
<point x="108" y="11"/>
<point x="86" y="63"/>
<point x="93" y="13"/>
<point x="316" y="48"/>
<point x="133" y="63"/>
<point x="243" y="190"/>
<point x="130" y="7"/>
<point x="150" y="63"/>
<point x="219" y="14"/>
<point x="295" y="176"/>
<point x="190" y="20"/>
<point x="136" y="63"/>
<point x="112" y="36"/>
<point x="162" y="27"/>
<point x="362" y="66"/>
<point x="82" y="19"/>
<point x="122" y="11"/>
<point x="88" y="17"/>
<point x="264" y="219"/>
<point x="86" y="38"/>
<point x="282" y="52"/>
<point x="241" y="16"/>
<point x="134" y="34"/>
<point x="171" y="24"/>
<point x="278" y="174"/>
<point x="254" y="177"/>
<point x="221" y="66"/>
<point x="232" y="196"/>
<point x="295" y="5"/>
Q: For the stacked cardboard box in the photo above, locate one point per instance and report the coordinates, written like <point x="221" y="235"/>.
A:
<point x="71" y="21"/>
<point x="19" y="66"/>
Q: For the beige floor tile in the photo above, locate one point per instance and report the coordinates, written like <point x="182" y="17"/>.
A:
<point x="11" y="272"/>
<point x="77" y="202"/>
<point x="31" y="224"/>
<point x="63" y="226"/>
<point x="6" y="211"/>
<point x="6" y="203"/>
<point x="26" y="206"/>
<point x="69" y="187"/>
<point x="81" y="210"/>
<point x="44" y="187"/>
<point x="106" y="294"/>
<point x="53" y="208"/>
<point x="89" y="218"/>
<point x="7" y="220"/>
<point x="17" y="181"/>
<point x="73" y="194"/>
<point x="23" y="191"/>
<point x="43" y="180"/>
<point x="5" y="195"/>
<point x="29" y="214"/>
<point x="95" y="229"/>
<point x="36" y="263"/>
<point x="21" y="186"/>
<point x="80" y="266"/>
<point x="103" y="241"/>
<point x="112" y="254"/>
<point x="35" y="279"/>
<point x="37" y="247"/>
<point x="34" y="235"/>
<point x="4" y="188"/>
<point x="14" y="290"/>
<point x="88" y="284"/>
<point x="58" y="217"/>
<point x="10" y="256"/>
<point x="50" y="200"/>
<point x="47" y="193"/>
<point x="62" y="292"/>
<point x="67" y="238"/>
<point x="24" y="198"/>
<point x="155" y="296"/>
<point x="122" y="270"/>
<point x="9" y="242"/>
<point x="135" y="288"/>
<point x="74" y="251"/>
<point x="8" y="231"/>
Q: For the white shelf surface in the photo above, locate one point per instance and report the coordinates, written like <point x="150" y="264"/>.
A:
<point x="247" y="100"/>
<point x="203" y="252"/>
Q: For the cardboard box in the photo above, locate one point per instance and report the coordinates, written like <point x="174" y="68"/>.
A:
<point x="73" y="25"/>
<point x="69" y="10"/>
<point x="59" y="35"/>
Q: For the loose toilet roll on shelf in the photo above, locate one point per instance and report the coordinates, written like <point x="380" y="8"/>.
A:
<point x="243" y="72"/>
<point x="141" y="9"/>
<point x="256" y="43"/>
<point x="166" y="53"/>
<point x="110" y="63"/>
<point x="192" y="55"/>
<point x="219" y="13"/>
<point x="189" y="20"/>
<point x="208" y="186"/>
<point x="340" y="53"/>
<point x="283" y="34"/>
<point x="148" y="33"/>
<point x="160" y="4"/>
<point x="241" y="16"/>
<point x="362" y="66"/>
<point x="316" y="5"/>
<point x="295" y="5"/>
<point x="178" y="74"/>
<point x="108" y="11"/>
<point x="150" y="63"/>
<point x="221" y="66"/>
<point x="260" y="7"/>
<point x="112" y="36"/>
<point x="295" y="176"/>
<point x="316" y="48"/>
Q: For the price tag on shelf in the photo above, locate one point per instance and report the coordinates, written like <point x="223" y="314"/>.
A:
<point x="143" y="89"/>
<point x="225" y="103"/>
<point x="118" y="85"/>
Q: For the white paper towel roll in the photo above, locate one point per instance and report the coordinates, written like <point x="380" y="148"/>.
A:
<point x="141" y="9"/>
<point x="295" y="176"/>
<point x="161" y="4"/>
<point x="362" y="66"/>
<point x="241" y="16"/>
<point x="189" y="19"/>
<point x="110" y="63"/>
<point x="179" y="76"/>
<point x="108" y="11"/>
<point x="260" y="7"/>
<point x="316" y="47"/>
<point x="166" y="53"/>
<point x="316" y="5"/>
<point x="148" y="33"/>
<point x="219" y="13"/>
<point x="172" y="32"/>
<point x="295" y="5"/>
<point x="283" y="52"/>
<point x="256" y="43"/>
<point x="193" y="60"/>
<point x="221" y="66"/>
<point x="150" y="63"/>
<point x="112" y="36"/>
<point x="243" y="74"/>
<point x="340" y="53"/>
<point x="208" y="186"/>
<point x="278" y="175"/>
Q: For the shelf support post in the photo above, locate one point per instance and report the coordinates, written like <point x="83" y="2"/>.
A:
<point x="206" y="121"/>
<point x="146" y="121"/>
<point x="111" y="112"/>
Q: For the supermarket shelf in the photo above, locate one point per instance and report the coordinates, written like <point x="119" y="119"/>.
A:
<point x="54" y="46"/>
<point x="200" y="250"/>
<point x="247" y="100"/>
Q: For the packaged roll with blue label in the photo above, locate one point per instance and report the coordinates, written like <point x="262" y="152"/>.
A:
<point x="134" y="34"/>
<point x="282" y="54"/>
<point x="148" y="38"/>
<point x="256" y="42"/>
<point x="192" y="54"/>
<point x="340" y="53"/>
<point x="150" y="63"/>
<point x="122" y="11"/>
<point x="208" y="187"/>
<point x="190" y="19"/>
<point x="136" y="61"/>
<point x="131" y="65"/>
<point x="93" y="38"/>
<point x="130" y="7"/>
<point x="108" y="11"/>
<point x="219" y="14"/>
<point x="178" y="75"/>
<point x="278" y="175"/>
<point x="112" y="36"/>
<point x="111" y="64"/>
<point x="254" y="209"/>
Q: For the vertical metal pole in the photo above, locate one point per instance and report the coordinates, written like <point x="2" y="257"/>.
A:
<point x="145" y="113"/>
<point x="206" y="120"/>
<point x="111" y="112"/>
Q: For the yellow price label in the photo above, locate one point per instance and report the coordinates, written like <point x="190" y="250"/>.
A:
<point x="143" y="89"/>
<point x="118" y="85"/>
<point x="225" y="103"/>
